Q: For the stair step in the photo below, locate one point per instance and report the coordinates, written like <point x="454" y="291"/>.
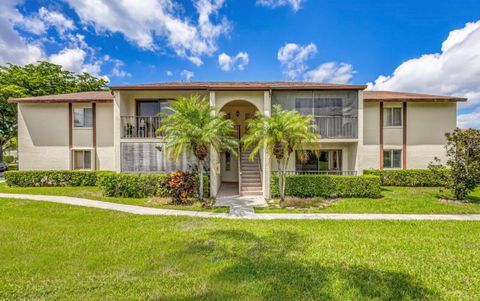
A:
<point x="252" y="188"/>
<point x="250" y="181"/>
<point x="251" y="193"/>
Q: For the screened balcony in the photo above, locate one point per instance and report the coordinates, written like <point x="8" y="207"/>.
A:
<point x="337" y="127"/>
<point x="335" y="113"/>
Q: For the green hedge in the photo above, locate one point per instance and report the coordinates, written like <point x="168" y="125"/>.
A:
<point x="410" y="177"/>
<point x="42" y="178"/>
<point x="328" y="186"/>
<point x="137" y="186"/>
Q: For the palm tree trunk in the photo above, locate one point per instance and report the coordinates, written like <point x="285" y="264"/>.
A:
<point x="281" y="179"/>
<point x="200" y="179"/>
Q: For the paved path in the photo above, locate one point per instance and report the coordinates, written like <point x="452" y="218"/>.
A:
<point x="262" y="216"/>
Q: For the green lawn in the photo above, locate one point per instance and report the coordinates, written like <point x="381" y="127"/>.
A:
<point x="95" y="193"/>
<point x="393" y="200"/>
<point x="58" y="252"/>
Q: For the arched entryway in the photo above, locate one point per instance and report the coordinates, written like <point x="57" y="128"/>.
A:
<point x="239" y="176"/>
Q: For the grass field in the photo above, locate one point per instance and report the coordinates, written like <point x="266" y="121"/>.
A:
<point x="95" y="193"/>
<point x="395" y="200"/>
<point x="58" y="252"/>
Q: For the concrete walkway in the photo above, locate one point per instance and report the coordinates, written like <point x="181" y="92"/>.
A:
<point x="260" y="216"/>
<point x="240" y="206"/>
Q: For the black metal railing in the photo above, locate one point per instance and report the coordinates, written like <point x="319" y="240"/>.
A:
<point x="337" y="127"/>
<point x="140" y="126"/>
<point x="320" y="172"/>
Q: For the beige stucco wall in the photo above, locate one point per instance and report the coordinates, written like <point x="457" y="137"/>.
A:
<point x="105" y="149"/>
<point x="427" y="124"/>
<point x="43" y="136"/>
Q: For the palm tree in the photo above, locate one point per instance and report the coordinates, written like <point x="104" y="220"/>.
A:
<point x="281" y="134"/>
<point x="192" y="126"/>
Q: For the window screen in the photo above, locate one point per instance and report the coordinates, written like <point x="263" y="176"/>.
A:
<point x="82" y="159"/>
<point x="392" y="158"/>
<point x="82" y="117"/>
<point x="319" y="160"/>
<point x="392" y="116"/>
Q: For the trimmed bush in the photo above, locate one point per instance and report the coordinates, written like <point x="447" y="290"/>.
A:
<point x="328" y="186"/>
<point x="132" y="185"/>
<point x="51" y="178"/>
<point x="410" y="177"/>
<point x="8" y="159"/>
<point x="137" y="185"/>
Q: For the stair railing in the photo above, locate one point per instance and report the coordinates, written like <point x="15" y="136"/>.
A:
<point x="239" y="168"/>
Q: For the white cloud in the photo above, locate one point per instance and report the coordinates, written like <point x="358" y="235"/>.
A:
<point x="469" y="120"/>
<point x="143" y="22"/>
<point x="227" y="63"/>
<point x="330" y="72"/>
<point x="453" y="71"/>
<point x="117" y="70"/>
<point x="75" y="60"/>
<point x="196" y="60"/>
<point x="187" y="75"/>
<point x="294" y="58"/>
<point x="169" y="73"/>
<point x="14" y="48"/>
<point x="295" y="4"/>
<point x="56" y="19"/>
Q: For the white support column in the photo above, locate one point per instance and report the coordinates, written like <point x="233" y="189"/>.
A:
<point x="359" y="147"/>
<point x="266" y="164"/>
<point x="116" y="129"/>
<point x="215" y="180"/>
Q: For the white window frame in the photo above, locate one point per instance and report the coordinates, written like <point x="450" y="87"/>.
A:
<point x="391" y="158"/>
<point x="391" y="109"/>
<point x="83" y="117"/>
<point x="82" y="150"/>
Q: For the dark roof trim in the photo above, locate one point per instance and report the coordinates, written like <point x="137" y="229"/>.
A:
<point x="81" y="97"/>
<point x="391" y="96"/>
<point x="237" y="86"/>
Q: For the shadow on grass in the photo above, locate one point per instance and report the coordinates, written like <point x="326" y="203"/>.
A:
<point x="271" y="267"/>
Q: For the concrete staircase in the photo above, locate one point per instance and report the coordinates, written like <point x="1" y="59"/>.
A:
<point x="251" y="178"/>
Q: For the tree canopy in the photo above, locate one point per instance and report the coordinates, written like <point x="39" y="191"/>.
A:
<point x="39" y="79"/>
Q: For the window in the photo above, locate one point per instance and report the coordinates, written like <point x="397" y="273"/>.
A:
<point x="82" y="118"/>
<point x="392" y="117"/>
<point x="392" y="158"/>
<point x="319" y="161"/>
<point x="228" y="161"/>
<point x="151" y="108"/>
<point x="82" y="159"/>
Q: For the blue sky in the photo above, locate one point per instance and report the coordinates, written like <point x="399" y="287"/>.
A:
<point x="418" y="46"/>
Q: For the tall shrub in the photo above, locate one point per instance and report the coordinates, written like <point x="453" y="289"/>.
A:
<point x="463" y="158"/>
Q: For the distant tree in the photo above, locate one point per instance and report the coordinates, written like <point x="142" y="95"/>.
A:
<point x="39" y="79"/>
<point x="463" y="159"/>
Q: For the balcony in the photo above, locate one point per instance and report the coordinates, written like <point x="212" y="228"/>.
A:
<point x="337" y="127"/>
<point x="139" y="127"/>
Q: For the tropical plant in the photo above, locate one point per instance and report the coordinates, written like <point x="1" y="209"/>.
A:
<point x="180" y="185"/>
<point x="191" y="125"/>
<point x="281" y="134"/>
<point x="463" y="159"/>
<point x="39" y="79"/>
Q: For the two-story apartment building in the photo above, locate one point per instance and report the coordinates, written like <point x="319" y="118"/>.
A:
<point x="116" y="129"/>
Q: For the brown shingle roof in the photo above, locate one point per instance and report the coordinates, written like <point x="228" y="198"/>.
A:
<point x="239" y="86"/>
<point x="402" y="96"/>
<point x="97" y="96"/>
